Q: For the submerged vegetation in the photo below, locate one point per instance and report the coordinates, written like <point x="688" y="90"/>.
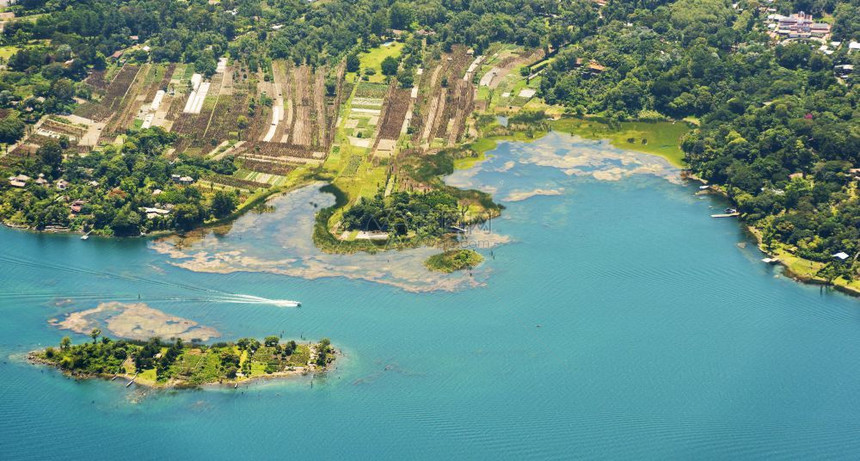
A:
<point x="178" y="364"/>
<point x="454" y="260"/>
<point x="106" y="106"/>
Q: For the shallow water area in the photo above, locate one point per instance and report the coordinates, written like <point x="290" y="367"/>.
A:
<point x="280" y="242"/>
<point x="619" y="321"/>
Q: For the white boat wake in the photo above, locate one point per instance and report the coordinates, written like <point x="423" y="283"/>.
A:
<point x="250" y="299"/>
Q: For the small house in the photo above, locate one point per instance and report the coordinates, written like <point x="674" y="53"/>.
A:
<point x="843" y="70"/>
<point x="842" y="255"/>
<point x="76" y="206"/>
<point x="186" y="180"/>
<point x="62" y="184"/>
<point x="175" y="177"/>
<point x="155" y="212"/>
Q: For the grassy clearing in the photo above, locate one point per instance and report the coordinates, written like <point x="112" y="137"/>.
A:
<point x="373" y="59"/>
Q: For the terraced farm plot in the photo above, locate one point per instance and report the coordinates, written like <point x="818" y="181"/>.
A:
<point x="104" y="108"/>
<point x="302" y="114"/>
<point x="395" y="113"/>
<point x="445" y="100"/>
<point x="192" y="126"/>
<point x="151" y="79"/>
<point x="235" y="182"/>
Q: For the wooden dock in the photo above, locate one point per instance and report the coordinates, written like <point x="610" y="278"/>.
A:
<point x="725" y="215"/>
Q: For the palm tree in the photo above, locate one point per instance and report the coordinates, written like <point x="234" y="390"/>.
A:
<point x="95" y="334"/>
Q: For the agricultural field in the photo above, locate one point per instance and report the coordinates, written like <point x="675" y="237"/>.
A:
<point x="502" y="87"/>
<point x="445" y="100"/>
<point x="149" y="80"/>
<point x="114" y="92"/>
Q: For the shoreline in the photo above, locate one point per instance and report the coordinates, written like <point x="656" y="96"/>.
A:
<point x="481" y="145"/>
<point x="308" y="370"/>
<point x="795" y="275"/>
<point x="240" y="211"/>
<point x="715" y="189"/>
<point x="491" y="142"/>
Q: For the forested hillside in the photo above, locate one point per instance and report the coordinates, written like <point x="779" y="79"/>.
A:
<point x="777" y="125"/>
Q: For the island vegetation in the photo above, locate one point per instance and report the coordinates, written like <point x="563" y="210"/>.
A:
<point x="454" y="260"/>
<point x="175" y="363"/>
<point x="134" y="117"/>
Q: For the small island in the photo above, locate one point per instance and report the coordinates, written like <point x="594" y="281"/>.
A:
<point x="177" y="364"/>
<point x="454" y="260"/>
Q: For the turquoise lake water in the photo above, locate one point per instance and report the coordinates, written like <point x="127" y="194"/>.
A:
<point x="613" y="319"/>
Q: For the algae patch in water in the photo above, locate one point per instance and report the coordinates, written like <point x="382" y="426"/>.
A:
<point x="134" y="321"/>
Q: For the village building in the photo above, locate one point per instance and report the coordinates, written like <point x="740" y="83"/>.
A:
<point x="152" y="212"/>
<point x="798" y="25"/>
<point x="77" y="205"/>
<point x="19" y="181"/>
<point x="843" y="70"/>
<point x="62" y="184"/>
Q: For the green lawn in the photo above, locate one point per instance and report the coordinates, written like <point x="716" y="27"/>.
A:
<point x="373" y="59"/>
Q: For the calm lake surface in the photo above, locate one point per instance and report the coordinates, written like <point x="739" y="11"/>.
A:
<point x="615" y="320"/>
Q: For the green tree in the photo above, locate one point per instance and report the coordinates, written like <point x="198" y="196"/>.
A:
<point x="352" y="62"/>
<point x="206" y="63"/>
<point x="401" y="16"/>
<point x="126" y="222"/>
<point x="187" y="216"/>
<point x="51" y="155"/>
<point x="11" y="129"/>
<point x="223" y="204"/>
<point x="389" y="66"/>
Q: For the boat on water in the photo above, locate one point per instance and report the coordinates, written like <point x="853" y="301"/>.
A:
<point x="85" y="237"/>
<point x="727" y="213"/>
